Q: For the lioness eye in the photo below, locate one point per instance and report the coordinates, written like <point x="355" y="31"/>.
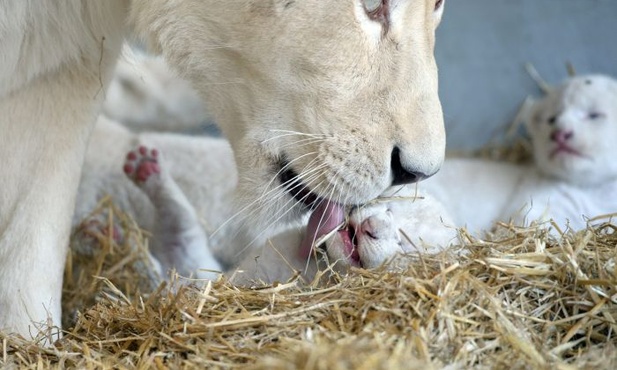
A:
<point x="595" y="115"/>
<point x="438" y="4"/>
<point x="372" y="6"/>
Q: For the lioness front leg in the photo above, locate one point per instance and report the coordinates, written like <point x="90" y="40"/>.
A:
<point x="179" y="241"/>
<point x="42" y="145"/>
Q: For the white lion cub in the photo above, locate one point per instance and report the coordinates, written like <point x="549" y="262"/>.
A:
<point x="574" y="178"/>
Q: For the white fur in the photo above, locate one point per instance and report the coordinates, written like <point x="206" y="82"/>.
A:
<point x="56" y="59"/>
<point x="202" y="169"/>
<point x="145" y="95"/>
<point x="263" y="66"/>
<point x="566" y="188"/>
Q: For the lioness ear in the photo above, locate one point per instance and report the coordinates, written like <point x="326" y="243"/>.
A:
<point x="438" y="12"/>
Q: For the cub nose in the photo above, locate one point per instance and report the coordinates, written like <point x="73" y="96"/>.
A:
<point x="400" y="174"/>
<point x="561" y="136"/>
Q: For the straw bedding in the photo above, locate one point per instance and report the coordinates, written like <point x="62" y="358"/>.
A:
<point x="519" y="299"/>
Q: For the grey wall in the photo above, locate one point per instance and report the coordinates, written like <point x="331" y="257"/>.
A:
<point x="482" y="46"/>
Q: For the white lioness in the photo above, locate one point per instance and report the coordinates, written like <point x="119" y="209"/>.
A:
<point x="574" y="177"/>
<point x="296" y="87"/>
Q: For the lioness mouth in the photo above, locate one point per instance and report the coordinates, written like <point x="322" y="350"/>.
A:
<point x="326" y="215"/>
<point x="290" y="180"/>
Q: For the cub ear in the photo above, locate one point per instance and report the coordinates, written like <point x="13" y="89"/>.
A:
<point x="529" y="114"/>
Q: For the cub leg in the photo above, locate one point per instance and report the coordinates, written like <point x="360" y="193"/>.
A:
<point x="179" y="241"/>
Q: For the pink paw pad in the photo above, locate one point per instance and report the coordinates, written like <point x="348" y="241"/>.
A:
<point x="142" y="163"/>
<point x="94" y="228"/>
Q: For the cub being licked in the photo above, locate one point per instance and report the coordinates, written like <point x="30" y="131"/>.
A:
<point x="294" y="85"/>
<point x="574" y="174"/>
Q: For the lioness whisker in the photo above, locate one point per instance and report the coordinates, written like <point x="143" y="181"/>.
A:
<point x="299" y="133"/>
<point x="282" y="191"/>
<point x="288" y="135"/>
<point x="272" y="222"/>
<point x="300" y="143"/>
<point x="297" y="183"/>
<point x="259" y="200"/>
<point x="299" y="178"/>
<point x="333" y="187"/>
<point x="284" y="168"/>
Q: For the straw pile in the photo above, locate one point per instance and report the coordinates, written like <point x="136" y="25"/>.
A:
<point x="520" y="300"/>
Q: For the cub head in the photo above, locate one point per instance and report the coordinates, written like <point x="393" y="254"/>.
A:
<point x="401" y="221"/>
<point x="322" y="101"/>
<point x="574" y="128"/>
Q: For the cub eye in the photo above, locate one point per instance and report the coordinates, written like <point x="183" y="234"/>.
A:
<point x="551" y="120"/>
<point x="372" y="6"/>
<point x="438" y="4"/>
<point x="595" y="115"/>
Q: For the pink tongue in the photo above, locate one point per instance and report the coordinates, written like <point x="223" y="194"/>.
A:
<point x="325" y="218"/>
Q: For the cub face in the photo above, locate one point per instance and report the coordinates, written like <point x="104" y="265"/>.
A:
<point x="574" y="130"/>
<point x="401" y="221"/>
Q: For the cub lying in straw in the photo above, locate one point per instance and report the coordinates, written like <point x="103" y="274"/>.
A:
<point x="182" y="195"/>
<point x="573" y="130"/>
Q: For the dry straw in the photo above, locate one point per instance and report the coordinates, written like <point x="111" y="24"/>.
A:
<point x="520" y="299"/>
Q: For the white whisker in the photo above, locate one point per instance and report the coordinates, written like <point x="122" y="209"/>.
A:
<point x="261" y="197"/>
<point x="291" y="132"/>
<point x="282" y="190"/>
<point x="288" y="209"/>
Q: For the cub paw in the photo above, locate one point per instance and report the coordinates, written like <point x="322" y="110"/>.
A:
<point x="142" y="165"/>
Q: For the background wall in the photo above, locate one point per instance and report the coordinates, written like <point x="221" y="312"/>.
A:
<point x="482" y="46"/>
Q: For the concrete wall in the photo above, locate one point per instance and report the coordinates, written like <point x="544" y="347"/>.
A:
<point x="482" y="46"/>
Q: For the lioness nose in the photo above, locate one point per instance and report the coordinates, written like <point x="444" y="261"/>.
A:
<point x="400" y="174"/>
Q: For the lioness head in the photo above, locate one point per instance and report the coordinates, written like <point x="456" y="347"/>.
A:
<point x="573" y="130"/>
<point x="323" y="101"/>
